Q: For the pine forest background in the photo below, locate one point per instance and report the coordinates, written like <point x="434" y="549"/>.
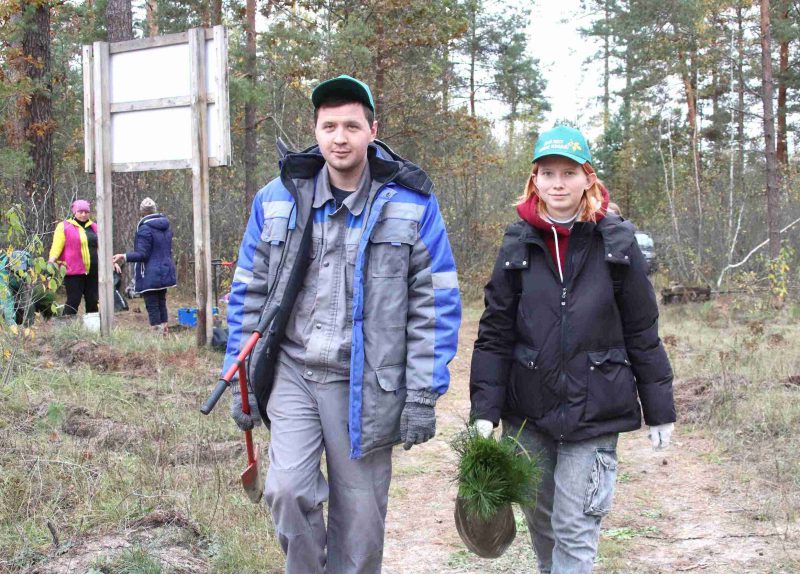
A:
<point x="697" y="120"/>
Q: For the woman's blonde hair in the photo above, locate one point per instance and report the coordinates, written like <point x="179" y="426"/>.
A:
<point x="591" y="202"/>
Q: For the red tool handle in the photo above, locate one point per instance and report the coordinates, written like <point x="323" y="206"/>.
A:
<point x="248" y="435"/>
<point x="223" y="383"/>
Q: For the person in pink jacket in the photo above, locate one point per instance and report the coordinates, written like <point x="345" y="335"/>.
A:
<point x="75" y="246"/>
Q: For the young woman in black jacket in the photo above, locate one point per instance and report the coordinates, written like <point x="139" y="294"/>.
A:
<point x="568" y="353"/>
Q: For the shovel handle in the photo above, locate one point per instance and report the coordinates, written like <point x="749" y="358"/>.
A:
<point x="248" y="436"/>
<point x="214" y="397"/>
<point x="225" y="380"/>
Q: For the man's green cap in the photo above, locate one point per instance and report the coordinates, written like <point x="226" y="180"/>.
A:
<point x="563" y="140"/>
<point x="342" y="87"/>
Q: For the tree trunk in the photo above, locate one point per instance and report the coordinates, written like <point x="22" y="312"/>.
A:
<point x="783" y="71"/>
<point x="119" y="23"/>
<point x="741" y="87"/>
<point x="216" y="12"/>
<point x="769" y="133"/>
<point x="205" y="15"/>
<point x="512" y="126"/>
<point x="689" y="77"/>
<point x="446" y="77"/>
<point x="36" y="121"/>
<point x="473" y="55"/>
<point x="380" y="68"/>
<point x="606" y="74"/>
<point x="151" y="7"/>
<point x="250" y="144"/>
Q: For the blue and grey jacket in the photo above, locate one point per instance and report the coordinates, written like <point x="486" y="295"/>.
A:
<point x="406" y="307"/>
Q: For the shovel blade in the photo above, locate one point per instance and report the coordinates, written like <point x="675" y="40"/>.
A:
<point x="251" y="481"/>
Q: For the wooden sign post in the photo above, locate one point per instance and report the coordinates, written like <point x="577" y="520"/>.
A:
<point x="150" y="104"/>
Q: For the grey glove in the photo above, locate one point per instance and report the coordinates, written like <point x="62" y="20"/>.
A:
<point x="417" y="424"/>
<point x="243" y="421"/>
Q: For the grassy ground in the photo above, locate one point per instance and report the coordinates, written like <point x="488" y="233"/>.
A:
<point x="99" y="438"/>
<point x="737" y="362"/>
<point x="107" y="466"/>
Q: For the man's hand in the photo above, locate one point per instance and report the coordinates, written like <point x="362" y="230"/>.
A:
<point x="485" y="428"/>
<point x="417" y="424"/>
<point x="243" y="421"/>
<point x="660" y="435"/>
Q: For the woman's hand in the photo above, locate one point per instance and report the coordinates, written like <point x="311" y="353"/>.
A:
<point x="660" y="435"/>
<point x="485" y="428"/>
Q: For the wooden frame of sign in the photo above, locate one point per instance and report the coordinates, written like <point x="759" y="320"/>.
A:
<point x="151" y="104"/>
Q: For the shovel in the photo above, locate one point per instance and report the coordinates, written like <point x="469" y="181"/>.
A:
<point x="251" y="481"/>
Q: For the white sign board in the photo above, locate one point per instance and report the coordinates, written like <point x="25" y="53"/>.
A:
<point x="149" y="92"/>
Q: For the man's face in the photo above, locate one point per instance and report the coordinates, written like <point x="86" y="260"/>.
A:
<point x="343" y="134"/>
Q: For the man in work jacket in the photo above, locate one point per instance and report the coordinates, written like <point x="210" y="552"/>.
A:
<point x="349" y="249"/>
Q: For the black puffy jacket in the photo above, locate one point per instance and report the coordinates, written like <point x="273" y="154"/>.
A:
<point x="574" y="359"/>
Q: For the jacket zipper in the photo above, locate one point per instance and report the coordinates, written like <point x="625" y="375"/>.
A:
<point x="562" y="375"/>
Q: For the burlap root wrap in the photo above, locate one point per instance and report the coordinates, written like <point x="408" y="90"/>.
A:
<point x="486" y="538"/>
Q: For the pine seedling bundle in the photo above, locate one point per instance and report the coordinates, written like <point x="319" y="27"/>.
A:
<point x="494" y="474"/>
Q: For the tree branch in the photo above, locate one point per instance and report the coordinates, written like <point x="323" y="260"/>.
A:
<point x="752" y="251"/>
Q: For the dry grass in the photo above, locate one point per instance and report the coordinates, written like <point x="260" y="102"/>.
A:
<point x="737" y="367"/>
<point x="101" y="440"/>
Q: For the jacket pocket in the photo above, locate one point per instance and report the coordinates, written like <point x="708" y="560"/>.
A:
<point x="602" y="480"/>
<point x="390" y="247"/>
<point x="351" y="252"/>
<point x="316" y="248"/>
<point x="386" y="397"/>
<point x="611" y="387"/>
<point x="526" y="356"/>
<point x="165" y="274"/>
<point x="524" y="392"/>
<point x="274" y="234"/>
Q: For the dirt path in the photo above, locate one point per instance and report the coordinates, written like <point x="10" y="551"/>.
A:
<point x="675" y="511"/>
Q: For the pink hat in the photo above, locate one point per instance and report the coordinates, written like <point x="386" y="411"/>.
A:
<point x="80" y="205"/>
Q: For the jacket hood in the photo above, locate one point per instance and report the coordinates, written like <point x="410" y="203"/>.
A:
<point x="156" y="221"/>
<point x="384" y="164"/>
<point x="619" y="236"/>
<point x="529" y="211"/>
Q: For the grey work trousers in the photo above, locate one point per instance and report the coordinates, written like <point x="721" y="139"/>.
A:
<point x="576" y="491"/>
<point x="307" y="418"/>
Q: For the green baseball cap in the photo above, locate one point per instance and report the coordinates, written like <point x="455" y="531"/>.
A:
<point x="342" y="86"/>
<point x="565" y="141"/>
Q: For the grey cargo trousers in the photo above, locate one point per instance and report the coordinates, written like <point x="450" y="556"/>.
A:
<point x="307" y="419"/>
<point x="576" y="492"/>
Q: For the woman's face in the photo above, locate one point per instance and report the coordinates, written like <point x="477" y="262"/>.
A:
<point x="82" y="215"/>
<point x="561" y="183"/>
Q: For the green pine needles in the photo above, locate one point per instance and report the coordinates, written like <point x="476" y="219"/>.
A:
<point x="493" y="474"/>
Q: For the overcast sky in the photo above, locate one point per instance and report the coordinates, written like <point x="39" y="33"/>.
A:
<point x="573" y="88"/>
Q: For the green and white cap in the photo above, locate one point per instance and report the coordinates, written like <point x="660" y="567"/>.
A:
<point x="564" y="141"/>
<point x="343" y="86"/>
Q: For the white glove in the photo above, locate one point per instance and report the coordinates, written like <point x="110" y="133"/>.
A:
<point x="660" y="435"/>
<point x="485" y="428"/>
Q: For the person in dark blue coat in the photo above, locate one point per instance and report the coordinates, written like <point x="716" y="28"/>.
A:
<point x="154" y="270"/>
